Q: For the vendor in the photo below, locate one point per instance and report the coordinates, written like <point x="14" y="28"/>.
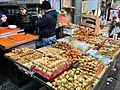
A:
<point x="47" y="24"/>
<point x="24" y="20"/>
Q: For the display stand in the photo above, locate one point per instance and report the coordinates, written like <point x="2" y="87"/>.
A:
<point x="19" y="77"/>
<point x="95" y="25"/>
<point x="90" y="20"/>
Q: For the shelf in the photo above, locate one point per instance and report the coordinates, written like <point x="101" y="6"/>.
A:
<point x="12" y="5"/>
<point x="69" y="7"/>
<point x="96" y="19"/>
<point x="88" y="25"/>
<point x="89" y="16"/>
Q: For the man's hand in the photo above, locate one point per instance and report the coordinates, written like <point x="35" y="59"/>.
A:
<point x="39" y="16"/>
<point x="4" y="18"/>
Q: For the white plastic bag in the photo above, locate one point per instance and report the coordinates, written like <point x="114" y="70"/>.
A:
<point x="80" y="46"/>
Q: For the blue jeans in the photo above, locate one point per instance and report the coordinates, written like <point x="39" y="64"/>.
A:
<point x="49" y="41"/>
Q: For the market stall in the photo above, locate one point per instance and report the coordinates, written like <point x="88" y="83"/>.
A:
<point x="81" y="61"/>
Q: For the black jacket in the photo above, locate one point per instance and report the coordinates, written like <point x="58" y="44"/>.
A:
<point x="47" y="24"/>
<point x="0" y="22"/>
<point x="25" y="22"/>
<point x="0" y="18"/>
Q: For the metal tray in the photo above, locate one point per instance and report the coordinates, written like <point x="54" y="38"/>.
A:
<point x="18" y="44"/>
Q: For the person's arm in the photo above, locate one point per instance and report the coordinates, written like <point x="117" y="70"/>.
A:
<point x="42" y="22"/>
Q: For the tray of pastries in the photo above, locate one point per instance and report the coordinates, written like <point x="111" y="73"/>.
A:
<point x="6" y="43"/>
<point x="91" y="65"/>
<point x="62" y="45"/>
<point x="24" y="55"/>
<point x="22" y="37"/>
<point x="73" y="54"/>
<point x="50" y="67"/>
<point x="72" y="80"/>
<point x="50" y="50"/>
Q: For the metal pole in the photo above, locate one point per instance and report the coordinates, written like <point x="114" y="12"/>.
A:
<point x="78" y="10"/>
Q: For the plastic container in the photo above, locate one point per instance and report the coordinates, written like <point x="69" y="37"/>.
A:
<point x="12" y="26"/>
<point x="80" y="46"/>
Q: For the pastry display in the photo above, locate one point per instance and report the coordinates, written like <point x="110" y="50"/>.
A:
<point x="50" y="62"/>
<point x="14" y="39"/>
<point x="83" y="34"/>
<point x="102" y="37"/>
<point x="29" y="64"/>
<point x="91" y="46"/>
<point x="50" y="50"/>
<point x="95" y="40"/>
<point x="62" y="45"/>
<point x="71" y="25"/>
<point x="22" y="61"/>
<point x="91" y="65"/>
<point x="73" y="55"/>
<point x="24" y="54"/>
<point x="6" y="42"/>
<point x="113" y="43"/>
<point x="21" y="37"/>
<point x="72" y="80"/>
<point x="20" y="51"/>
<point x="50" y="65"/>
<point x="32" y="58"/>
<point x="107" y="51"/>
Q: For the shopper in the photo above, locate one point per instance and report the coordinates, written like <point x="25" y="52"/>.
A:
<point x="24" y="20"/>
<point x="115" y="27"/>
<point x="113" y="24"/>
<point x="47" y="24"/>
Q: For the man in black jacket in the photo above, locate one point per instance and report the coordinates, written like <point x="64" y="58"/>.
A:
<point x="47" y="24"/>
<point x="24" y="20"/>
